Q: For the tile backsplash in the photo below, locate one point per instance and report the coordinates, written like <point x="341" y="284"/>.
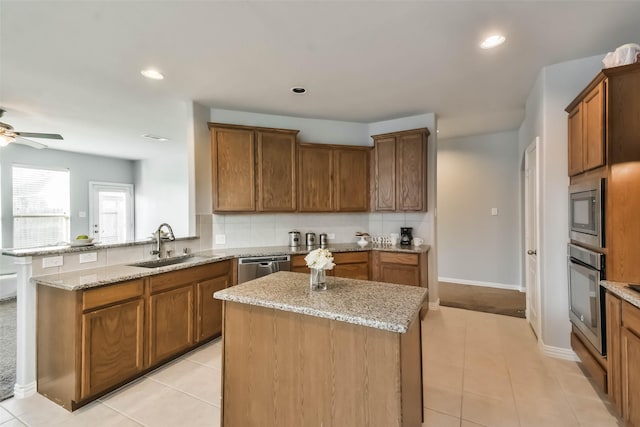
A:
<point x="242" y="230"/>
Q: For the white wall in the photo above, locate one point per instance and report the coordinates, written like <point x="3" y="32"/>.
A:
<point x="162" y="194"/>
<point x="475" y="174"/>
<point x="556" y="86"/>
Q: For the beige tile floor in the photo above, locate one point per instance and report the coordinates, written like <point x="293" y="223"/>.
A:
<point x="480" y="370"/>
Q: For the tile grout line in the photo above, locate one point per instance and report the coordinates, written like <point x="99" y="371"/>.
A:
<point x="184" y="392"/>
<point x="122" y="413"/>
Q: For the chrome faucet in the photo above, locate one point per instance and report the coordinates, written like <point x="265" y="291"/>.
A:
<point x="158" y="235"/>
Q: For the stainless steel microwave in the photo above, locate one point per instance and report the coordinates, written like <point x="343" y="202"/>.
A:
<point x="586" y="213"/>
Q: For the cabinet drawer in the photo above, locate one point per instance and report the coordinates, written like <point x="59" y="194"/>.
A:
<point x="352" y="271"/>
<point x="399" y="258"/>
<point x="298" y="261"/>
<point x="631" y="317"/>
<point x="188" y="275"/>
<point x="350" y="257"/>
<point x="110" y="294"/>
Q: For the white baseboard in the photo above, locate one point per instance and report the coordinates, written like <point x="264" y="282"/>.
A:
<point x="558" y="352"/>
<point x="434" y="305"/>
<point x="22" y="391"/>
<point x="479" y="283"/>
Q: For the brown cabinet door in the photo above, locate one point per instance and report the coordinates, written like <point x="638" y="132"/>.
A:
<point x="112" y="346"/>
<point x="575" y="141"/>
<point x="385" y="174"/>
<point x="315" y="170"/>
<point x="352" y="271"/>
<point x="613" y="324"/>
<point x="276" y="171"/>
<point x="411" y="185"/>
<point x="170" y="323"/>
<point x="630" y="345"/>
<point x="209" y="309"/>
<point x="593" y="128"/>
<point x="351" y="180"/>
<point x="232" y="152"/>
<point x="398" y="273"/>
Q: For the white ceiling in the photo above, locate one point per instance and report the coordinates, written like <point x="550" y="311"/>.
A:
<point x="72" y="67"/>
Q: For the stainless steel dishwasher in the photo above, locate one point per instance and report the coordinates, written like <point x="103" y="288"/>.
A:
<point x="250" y="268"/>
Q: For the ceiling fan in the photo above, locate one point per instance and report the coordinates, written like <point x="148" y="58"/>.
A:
<point x="8" y="136"/>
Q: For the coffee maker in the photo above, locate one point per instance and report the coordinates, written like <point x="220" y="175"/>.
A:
<point x="406" y="236"/>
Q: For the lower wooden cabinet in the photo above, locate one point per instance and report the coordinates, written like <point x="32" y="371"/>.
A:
<point x="209" y="310"/>
<point x="92" y="341"/>
<point x="351" y="265"/>
<point x="402" y="268"/>
<point x="170" y="323"/>
<point x="112" y="346"/>
<point x="623" y="353"/>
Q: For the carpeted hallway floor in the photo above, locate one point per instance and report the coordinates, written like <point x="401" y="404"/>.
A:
<point x="480" y="298"/>
<point x="7" y="347"/>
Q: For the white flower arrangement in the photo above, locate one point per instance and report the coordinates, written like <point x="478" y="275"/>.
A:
<point x="321" y="259"/>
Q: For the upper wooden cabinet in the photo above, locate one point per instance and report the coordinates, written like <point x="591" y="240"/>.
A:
<point x="253" y="169"/>
<point x="333" y="178"/>
<point x="315" y="188"/>
<point x="587" y="130"/>
<point x="276" y="170"/>
<point x="400" y="171"/>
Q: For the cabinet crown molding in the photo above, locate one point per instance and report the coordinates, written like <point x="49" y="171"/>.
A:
<point x="213" y="125"/>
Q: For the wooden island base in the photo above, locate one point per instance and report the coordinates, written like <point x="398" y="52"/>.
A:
<point x="286" y="369"/>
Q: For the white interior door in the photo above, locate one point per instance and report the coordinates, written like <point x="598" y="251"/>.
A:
<point x="531" y="236"/>
<point x="111" y="212"/>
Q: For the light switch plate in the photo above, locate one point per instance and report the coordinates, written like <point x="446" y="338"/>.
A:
<point x="88" y="257"/>
<point x="494" y="211"/>
<point x="331" y="236"/>
<point x="82" y="214"/>
<point x="52" y="261"/>
<point x="221" y="239"/>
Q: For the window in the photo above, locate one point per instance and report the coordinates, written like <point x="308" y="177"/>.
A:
<point x="40" y="206"/>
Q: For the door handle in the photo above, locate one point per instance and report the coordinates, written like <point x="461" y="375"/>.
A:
<point x="530" y="252"/>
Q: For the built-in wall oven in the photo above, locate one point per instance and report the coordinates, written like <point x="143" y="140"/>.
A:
<point x="586" y="213"/>
<point x="586" y="296"/>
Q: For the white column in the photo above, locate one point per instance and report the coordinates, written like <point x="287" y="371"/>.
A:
<point x="26" y="331"/>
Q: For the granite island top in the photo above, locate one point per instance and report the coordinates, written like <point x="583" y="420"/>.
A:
<point x="377" y="305"/>
<point x="623" y="291"/>
<point x="92" y="277"/>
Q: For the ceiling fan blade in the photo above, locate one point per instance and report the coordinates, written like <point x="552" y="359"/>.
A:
<point x="29" y="143"/>
<point x="40" y="135"/>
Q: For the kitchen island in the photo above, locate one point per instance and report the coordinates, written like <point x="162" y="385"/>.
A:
<point x="350" y="355"/>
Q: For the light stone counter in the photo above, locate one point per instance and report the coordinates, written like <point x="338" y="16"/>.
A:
<point x="377" y="305"/>
<point x="83" y="279"/>
<point x="89" y="278"/>
<point x="623" y="291"/>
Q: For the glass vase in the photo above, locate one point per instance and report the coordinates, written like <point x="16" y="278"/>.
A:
<point x="318" y="279"/>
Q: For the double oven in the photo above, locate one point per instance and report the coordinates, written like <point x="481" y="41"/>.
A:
<point x="586" y="261"/>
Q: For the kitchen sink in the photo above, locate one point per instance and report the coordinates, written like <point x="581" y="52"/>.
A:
<point x="163" y="262"/>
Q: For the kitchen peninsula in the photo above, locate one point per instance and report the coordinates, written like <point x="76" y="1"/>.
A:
<point x="350" y="355"/>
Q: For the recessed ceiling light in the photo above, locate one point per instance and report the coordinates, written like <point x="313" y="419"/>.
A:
<point x="152" y="74"/>
<point x="155" y="137"/>
<point x="298" y="90"/>
<point x="492" y="41"/>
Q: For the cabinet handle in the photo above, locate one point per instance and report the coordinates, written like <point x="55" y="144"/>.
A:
<point x="530" y="252"/>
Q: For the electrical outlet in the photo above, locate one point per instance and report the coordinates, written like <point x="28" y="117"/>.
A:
<point x="221" y="239"/>
<point x="88" y="257"/>
<point x="331" y="236"/>
<point x="494" y="211"/>
<point x="52" y="261"/>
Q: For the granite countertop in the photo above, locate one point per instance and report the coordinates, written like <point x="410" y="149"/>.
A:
<point x="93" y="277"/>
<point x="67" y="248"/>
<point x="338" y="247"/>
<point x="623" y="291"/>
<point x="377" y="305"/>
<point x="88" y="278"/>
